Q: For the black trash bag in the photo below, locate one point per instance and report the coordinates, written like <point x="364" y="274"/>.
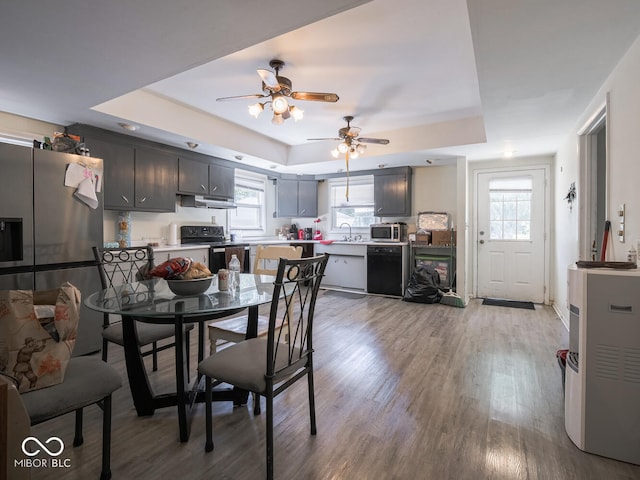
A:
<point x="423" y="286"/>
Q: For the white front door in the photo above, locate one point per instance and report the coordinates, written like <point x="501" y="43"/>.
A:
<point x="510" y="235"/>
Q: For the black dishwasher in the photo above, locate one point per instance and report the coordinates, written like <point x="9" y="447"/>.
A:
<point x="384" y="270"/>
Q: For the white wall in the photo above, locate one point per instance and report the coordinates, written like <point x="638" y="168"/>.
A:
<point x="434" y="190"/>
<point x="28" y="128"/>
<point x="624" y="163"/>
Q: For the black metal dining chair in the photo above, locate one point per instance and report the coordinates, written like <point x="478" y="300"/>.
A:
<point x="118" y="266"/>
<point x="84" y="380"/>
<point x="270" y="364"/>
<point x="87" y="381"/>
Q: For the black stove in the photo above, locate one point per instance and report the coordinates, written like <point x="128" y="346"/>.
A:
<point x="213" y="237"/>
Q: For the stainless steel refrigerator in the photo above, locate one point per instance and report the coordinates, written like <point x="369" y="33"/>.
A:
<point x="46" y="233"/>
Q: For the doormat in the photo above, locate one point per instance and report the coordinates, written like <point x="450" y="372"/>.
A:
<point x="508" y="303"/>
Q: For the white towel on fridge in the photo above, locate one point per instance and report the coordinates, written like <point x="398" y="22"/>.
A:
<point x="86" y="193"/>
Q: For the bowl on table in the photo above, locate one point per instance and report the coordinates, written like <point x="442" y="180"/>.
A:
<point x="190" y="287"/>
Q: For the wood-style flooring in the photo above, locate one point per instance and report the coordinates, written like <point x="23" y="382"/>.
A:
<point x="403" y="391"/>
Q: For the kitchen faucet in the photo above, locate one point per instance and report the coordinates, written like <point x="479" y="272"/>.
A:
<point x="348" y="225"/>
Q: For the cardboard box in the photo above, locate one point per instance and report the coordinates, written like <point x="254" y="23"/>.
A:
<point x="423" y="238"/>
<point x="443" y="238"/>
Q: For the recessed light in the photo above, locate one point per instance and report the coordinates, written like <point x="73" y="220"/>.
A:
<point x="509" y="153"/>
<point x="192" y="145"/>
<point x="128" y="126"/>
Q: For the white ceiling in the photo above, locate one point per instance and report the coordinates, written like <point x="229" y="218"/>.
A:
<point x="438" y="79"/>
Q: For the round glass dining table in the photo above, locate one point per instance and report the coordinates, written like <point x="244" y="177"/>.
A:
<point x="152" y="301"/>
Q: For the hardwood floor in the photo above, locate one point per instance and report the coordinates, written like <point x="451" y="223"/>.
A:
<point x="403" y="391"/>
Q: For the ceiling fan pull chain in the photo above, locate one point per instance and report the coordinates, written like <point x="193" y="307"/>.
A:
<point x="346" y="156"/>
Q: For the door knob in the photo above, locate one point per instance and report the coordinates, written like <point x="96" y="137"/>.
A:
<point x="481" y="232"/>
<point x="481" y="241"/>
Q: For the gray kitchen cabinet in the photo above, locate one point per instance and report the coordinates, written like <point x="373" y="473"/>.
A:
<point x="287" y="193"/>
<point x="201" y="178"/>
<point x="222" y="181"/>
<point x="136" y="178"/>
<point x="155" y="180"/>
<point x="297" y="198"/>
<point x="307" y="198"/>
<point x="193" y="177"/>
<point x="118" y="179"/>
<point x="392" y="193"/>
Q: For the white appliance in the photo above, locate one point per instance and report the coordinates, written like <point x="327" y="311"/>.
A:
<point x="602" y="391"/>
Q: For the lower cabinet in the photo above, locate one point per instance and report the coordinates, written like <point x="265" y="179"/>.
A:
<point x="345" y="271"/>
<point x="346" y="267"/>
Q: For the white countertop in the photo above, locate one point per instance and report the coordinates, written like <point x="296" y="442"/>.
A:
<point x="275" y="241"/>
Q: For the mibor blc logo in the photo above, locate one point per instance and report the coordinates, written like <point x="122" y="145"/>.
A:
<point x="53" y="447"/>
<point x="38" y="443"/>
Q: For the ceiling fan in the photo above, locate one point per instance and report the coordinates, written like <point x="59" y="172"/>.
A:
<point x="352" y="146"/>
<point x="277" y="89"/>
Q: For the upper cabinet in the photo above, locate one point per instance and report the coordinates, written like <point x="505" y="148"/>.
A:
<point x="200" y="178"/>
<point x="155" y="180"/>
<point x="222" y="181"/>
<point x="392" y="193"/>
<point x="119" y="168"/>
<point x="193" y="177"/>
<point x="136" y="178"/>
<point x="297" y="198"/>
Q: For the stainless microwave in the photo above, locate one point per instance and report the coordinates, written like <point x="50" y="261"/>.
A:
<point x="388" y="232"/>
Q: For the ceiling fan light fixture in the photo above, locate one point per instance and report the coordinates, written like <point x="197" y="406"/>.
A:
<point x="361" y="148"/>
<point x="296" y="113"/>
<point x="277" y="119"/>
<point x="279" y="104"/>
<point x="343" y="147"/>
<point x="353" y="153"/>
<point x="335" y="153"/>
<point x="256" y="109"/>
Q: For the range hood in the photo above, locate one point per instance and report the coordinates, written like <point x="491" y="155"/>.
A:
<point x="200" y="201"/>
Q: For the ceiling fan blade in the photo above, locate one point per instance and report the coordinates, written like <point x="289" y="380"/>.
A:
<point x="312" y="139"/>
<point x="380" y="141"/>
<point x="241" y="97"/>
<point x="269" y="79"/>
<point x="315" y="96"/>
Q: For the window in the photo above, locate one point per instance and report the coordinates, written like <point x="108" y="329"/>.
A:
<point x="358" y="211"/>
<point x="510" y="208"/>
<point x="250" y="200"/>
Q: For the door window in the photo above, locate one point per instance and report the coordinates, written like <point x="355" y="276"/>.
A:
<point x="510" y="208"/>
